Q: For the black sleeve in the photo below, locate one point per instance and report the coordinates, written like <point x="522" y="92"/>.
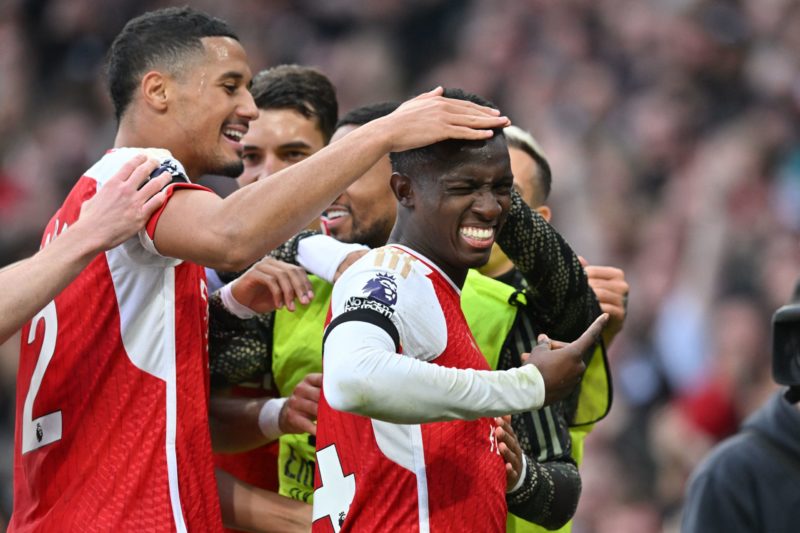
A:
<point x="552" y="487"/>
<point x="549" y="495"/>
<point x="721" y="496"/>
<point x="239" y="350"/>
<point x="558" y="293"/>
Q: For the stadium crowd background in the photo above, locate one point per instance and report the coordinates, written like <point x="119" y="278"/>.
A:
<point x="673" y="130"/>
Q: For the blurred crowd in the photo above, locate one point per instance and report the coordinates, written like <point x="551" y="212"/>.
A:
<point x="673" y="131"/>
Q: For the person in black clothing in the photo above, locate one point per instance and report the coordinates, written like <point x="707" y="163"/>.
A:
<point x="751" y="481"/>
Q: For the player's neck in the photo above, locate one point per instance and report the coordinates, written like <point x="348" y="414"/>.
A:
<point x="418" y="243"/>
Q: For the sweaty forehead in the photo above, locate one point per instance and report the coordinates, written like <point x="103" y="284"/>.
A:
<point x="226" y="55"/>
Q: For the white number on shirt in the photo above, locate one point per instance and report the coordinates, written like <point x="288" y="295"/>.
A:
<point x="47" y="428"/>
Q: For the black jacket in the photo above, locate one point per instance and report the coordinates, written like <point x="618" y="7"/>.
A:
<point x="751" y="481"/>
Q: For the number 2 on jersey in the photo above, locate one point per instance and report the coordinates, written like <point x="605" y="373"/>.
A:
<point x="47" y="428"/>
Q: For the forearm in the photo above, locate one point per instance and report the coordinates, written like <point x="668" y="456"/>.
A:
<point x="549" y="495"/>
<point x="252" y="509"/>
<point x="236" y="231"/>
<point x="558" y="289"/>
<point x="30" y="284"/>
<point x="242" y="424"/>
<point x="365" y="376"/>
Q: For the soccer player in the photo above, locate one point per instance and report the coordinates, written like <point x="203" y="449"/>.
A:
<point x="283" y="346"/>
<point x="297" y="113"/>
<point x="402" y="438"/>
<point x="112" y="399"/>
<point x="116" y="213"/>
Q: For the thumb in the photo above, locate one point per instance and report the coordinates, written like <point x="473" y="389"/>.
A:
<point x="583" y="261"/>
<point x="543" y="340"/>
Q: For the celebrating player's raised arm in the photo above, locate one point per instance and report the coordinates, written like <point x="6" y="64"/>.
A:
<point x="231" y="234"/>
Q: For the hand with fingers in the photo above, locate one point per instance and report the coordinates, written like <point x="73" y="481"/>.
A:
<point x="611" y="289"/>
<point x="271" y="284"/>
<point x="431" y="117"/>
<point x="299" y="413"/>
<point x="121" y="208"/>
<point x="562" y="364"/>
<point x="510" y="451"/>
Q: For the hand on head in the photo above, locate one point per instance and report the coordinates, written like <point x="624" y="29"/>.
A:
<point x="430" y="118"/>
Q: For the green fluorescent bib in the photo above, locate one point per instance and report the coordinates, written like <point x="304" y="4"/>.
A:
<point x="296" y="352"/>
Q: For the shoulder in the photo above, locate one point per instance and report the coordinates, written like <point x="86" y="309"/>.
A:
<point x="113" y="160"/>
<point x="393" y="283"/>
<point x="387" y="275"/>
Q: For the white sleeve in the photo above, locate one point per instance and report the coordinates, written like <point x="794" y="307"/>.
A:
<point x="364" y="375"/>
<point x="321" y="255"/>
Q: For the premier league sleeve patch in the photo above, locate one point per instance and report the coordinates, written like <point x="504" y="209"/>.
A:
<point x="376" y="306"/>
<point x="383" y="288"/>
<point x="380" y="296"/>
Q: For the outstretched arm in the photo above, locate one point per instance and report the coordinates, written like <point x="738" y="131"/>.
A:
<point x="231" y="234"/>
<point x="114" y="214"/>
<point x="365" y="374"/>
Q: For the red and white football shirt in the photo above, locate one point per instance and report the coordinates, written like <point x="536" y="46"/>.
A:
<point x="373" y="475"/>
<point x="112" y="391"/>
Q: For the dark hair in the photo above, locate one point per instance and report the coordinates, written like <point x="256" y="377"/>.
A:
<point x="523" y="140"/>
<point x="367" y="113"/>
<point x="160" y="38"/>
<point x="429" y="160"/>
<point x="303" y="89"/>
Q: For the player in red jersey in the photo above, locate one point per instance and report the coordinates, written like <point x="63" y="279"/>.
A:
<point x="404" y="442"/>
<point x="112" y="390"/>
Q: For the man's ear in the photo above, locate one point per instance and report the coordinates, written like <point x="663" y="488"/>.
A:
<point x="155" y="90"/>
<point x="545" y="211"/>
<point x="403" y="189"/>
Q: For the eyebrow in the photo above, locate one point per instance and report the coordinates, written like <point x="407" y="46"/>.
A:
<point x="295" y="144"/>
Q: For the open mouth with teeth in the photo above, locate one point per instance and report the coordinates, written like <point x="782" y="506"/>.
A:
<point x="233" y="135"/>
<point x="477" y="237"/>
<point x="334" y="217"/>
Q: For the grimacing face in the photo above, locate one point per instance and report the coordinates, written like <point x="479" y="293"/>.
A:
<point x="212" y="108"/>
<point x="277" y="139"/>
<point x="366" y="210"/>
<point x="463" y="210"/>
